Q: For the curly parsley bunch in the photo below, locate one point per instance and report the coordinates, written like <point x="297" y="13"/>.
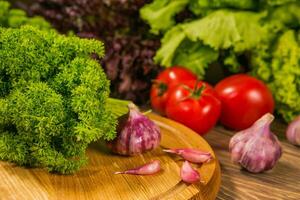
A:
<point x="53" y="99"/>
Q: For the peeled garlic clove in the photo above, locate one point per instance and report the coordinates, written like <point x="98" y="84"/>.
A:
<point x="147" y="169"/>
<point x="188" y="174"/>
<point x="293" y="132"/>
<point x="192" y="155"/>
<point x="256" y="149"/>
<point x="136" y="134"/>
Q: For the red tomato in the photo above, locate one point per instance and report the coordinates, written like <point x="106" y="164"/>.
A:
<point x="196" y="107"/>
<point x="164" y="81"/>
<point x="244" y="100"/>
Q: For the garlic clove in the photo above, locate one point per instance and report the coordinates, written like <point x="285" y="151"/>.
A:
<point x="256" y="149"/>
<point x="192" y="155"/>
<point x="188" y="174"/>
<point x="136" y="134"/>
<point x="293" y="132"/>
<point x="147" y="169"/>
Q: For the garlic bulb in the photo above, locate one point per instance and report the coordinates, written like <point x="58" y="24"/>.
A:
<point x="293" y="132"/>
<point x="256" y="149"/>
<point x="136" y="134"/>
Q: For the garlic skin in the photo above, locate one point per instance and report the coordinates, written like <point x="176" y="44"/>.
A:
<point x="188" y="174"/>
<point x="293" y="132"/>
<point x="136" y="134"/>
<point x="256" y="149"/>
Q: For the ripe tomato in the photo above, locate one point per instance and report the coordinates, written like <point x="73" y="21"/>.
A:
<point x="164" y="81"/>
<point x="244" y="100"/>
<point x="194" y="104"/>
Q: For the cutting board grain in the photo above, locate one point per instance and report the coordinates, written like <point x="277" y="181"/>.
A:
<point x="97" y="181"/>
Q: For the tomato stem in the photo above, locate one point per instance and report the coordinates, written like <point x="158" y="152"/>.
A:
<point x="198" y="89"/>
<point x="162" y="87"/>
<point x="197" y="93"/>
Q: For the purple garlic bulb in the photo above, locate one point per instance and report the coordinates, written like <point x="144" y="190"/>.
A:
<point x="136" y="134"/>
<point x="256" y="149"/>
<point x="293" y="132"/>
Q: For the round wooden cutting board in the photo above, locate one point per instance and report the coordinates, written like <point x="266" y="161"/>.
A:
<point x="97" y="179"/>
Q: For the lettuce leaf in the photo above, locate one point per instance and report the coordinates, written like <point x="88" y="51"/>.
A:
<point x="224" y="29"/>
<point x="279" y="2"/>
<point x="281" y="70"/>
<point x="196" y="56"/>
<point x="177" y="49"/>
<point x="170" y="42"/>
<point x="285" y="16"/>
<point x="286" y="75"/>
<point x="231" y="62"/>
<point x="160" y="13"/>
<point x="214" y="4"/>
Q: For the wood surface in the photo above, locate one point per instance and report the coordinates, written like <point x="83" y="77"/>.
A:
<point x="281" y="183"/>
<point x="97" y="181"/>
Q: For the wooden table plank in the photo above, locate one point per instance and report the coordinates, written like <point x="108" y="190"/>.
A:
<point x="283" y="182"/>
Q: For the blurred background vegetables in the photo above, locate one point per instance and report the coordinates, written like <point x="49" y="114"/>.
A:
<point x="213" y="39"/>
<point x="227" y="36"/>
<point x="14" y="18"/>
<point x="129" y="47"/>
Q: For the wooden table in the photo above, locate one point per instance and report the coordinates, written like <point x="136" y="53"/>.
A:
<point x="283" y="182"/>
